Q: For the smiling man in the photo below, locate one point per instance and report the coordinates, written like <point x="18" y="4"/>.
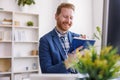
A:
<point x="54" y="46"/>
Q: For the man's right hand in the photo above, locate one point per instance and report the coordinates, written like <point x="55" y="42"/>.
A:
<point x="72" y="57"/>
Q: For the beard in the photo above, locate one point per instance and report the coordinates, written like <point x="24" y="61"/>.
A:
<point x="64" y="26"/>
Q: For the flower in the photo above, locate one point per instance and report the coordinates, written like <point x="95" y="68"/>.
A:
<point x="100" y="66"/>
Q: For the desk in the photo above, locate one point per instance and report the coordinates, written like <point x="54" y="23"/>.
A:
<point x="61" y="77"/>
<point x="56" y="76"/>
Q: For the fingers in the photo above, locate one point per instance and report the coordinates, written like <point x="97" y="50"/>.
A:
<point x="77" y="50"/>
<point x="71" y="55"/>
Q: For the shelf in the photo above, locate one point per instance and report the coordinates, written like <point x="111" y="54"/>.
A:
<point x="5" y="57"/>
<point x="25" y="41"/>
<point x="5" y="41"/>
<point x="18" y="43"/>
<point x="25" y="13"/>
<point x="26" y="57"/>
<point x="30" y="71"/>
<point x="6" y="26"/>
<point x="2" y="73"/>
<point x="4" y="11"/>
<point x="26" y="27"/>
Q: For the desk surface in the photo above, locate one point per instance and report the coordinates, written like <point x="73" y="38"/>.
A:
<point x="55" y="76"/>
<point x="60" y="77"/>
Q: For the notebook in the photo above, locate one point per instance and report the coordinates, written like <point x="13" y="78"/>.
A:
<point x="77" y="42"/>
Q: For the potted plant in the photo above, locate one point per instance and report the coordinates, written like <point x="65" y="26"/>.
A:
<point x="30" y="23"/>
<point x="25" y="2"/>
<point x="98" y="67"/>
<point x="102" y="65"/>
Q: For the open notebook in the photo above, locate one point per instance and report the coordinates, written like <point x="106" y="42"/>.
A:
<point x="77" y="42"/>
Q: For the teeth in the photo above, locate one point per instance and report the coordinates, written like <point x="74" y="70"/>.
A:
<point x="66" y="24"/>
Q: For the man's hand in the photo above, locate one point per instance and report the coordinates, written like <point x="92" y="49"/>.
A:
<point x="72" y="57"/>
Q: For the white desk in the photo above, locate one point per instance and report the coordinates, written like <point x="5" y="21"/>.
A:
<point x="55" y="76"/>
<point x="60" y="77"/>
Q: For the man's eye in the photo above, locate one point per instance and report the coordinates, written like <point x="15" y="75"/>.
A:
<point x="71" y="18"/>
<point x="65" y="16"/>
<point x="68" y="17"/>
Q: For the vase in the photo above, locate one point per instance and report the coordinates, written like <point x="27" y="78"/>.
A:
<point x="24" y="8"/>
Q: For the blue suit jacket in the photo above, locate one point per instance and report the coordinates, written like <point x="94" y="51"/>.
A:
<point x="51" y="53"/>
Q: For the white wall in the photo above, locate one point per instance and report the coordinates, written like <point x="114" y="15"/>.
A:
<point x="97" y="13"/>
<point x="97" y="18"/>
<point x="88" y="14"/>
<point x="83" y="21"/>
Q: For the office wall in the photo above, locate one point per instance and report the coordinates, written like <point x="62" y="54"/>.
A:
<point x="84" y="18"/>
<point x="97" y="19"/>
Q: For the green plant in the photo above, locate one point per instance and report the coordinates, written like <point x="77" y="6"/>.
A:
<point x="25" y="2"/>
<point x="30" y="23"/>
<point x="98" y="34"/>
<point x="99" y="66"/>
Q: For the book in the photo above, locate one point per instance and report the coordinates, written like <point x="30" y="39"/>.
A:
<point x="77" y="42"/>
<point x="6" y="23"/>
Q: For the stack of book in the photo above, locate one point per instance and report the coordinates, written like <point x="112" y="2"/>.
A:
<point x="20" y="35"/>
<point x="5" y="35"/>
<point x="1" y="35"/>
<point x="6" y="22"/>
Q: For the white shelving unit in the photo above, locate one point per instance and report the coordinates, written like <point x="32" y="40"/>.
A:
<point x="18" y="45"/>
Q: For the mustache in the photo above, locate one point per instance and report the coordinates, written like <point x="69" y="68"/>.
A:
<point x="67" y="23"/>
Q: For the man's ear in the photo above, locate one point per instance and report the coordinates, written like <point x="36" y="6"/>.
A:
<point x="56" y="16"/>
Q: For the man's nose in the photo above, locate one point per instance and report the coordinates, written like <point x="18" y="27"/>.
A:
<point x="69" y="20"/>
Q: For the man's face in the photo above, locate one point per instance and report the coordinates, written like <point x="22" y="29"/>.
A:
<point x="64" y="19"/>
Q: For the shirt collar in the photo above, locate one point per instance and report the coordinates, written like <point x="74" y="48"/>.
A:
<point x="59" y="34"/>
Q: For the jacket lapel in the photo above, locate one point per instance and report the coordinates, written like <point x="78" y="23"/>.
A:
<point x="58" y="44"/>
<point x="70" y="37"/>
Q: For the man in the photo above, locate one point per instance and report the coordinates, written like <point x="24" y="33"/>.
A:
<point x="54" y="46"/>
